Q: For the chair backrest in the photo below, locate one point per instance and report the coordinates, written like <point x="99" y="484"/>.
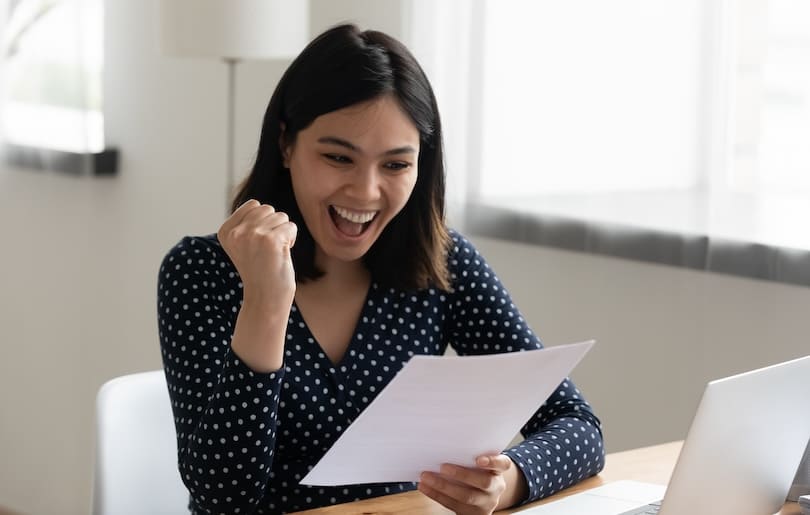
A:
<point x="136" y="451"/>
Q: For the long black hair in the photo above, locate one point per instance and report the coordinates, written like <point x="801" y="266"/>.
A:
<point x="342" y="67"/>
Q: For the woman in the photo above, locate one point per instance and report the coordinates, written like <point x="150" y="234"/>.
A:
<point x="335" y="268"/>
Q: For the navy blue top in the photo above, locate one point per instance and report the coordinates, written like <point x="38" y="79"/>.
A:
<point x="245" y="439"/>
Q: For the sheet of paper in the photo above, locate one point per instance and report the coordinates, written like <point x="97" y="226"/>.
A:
<point x="442" y="409"/>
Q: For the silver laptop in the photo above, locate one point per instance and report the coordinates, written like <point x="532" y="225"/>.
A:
<point x="740" y="455"/>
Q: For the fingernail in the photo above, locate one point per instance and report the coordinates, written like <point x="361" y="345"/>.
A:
<point x="483" y="461"/>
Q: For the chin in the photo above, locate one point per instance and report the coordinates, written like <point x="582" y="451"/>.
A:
<point x="347" y="255"/>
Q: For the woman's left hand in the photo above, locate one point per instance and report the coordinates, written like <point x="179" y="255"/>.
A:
<point x="473" y="490"/>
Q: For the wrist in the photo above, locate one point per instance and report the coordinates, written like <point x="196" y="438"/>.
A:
<point x="259" y="335"/>
<point x="264" y="310"/>
<point x="273" y="304"/>
<point x="516" y="487"/>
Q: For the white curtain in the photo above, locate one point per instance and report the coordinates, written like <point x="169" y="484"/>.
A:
<point x="527" y="109"/>
<point x="445" y="37"/>
<point x="672" y="132"/>
<point x="4" y="6"/>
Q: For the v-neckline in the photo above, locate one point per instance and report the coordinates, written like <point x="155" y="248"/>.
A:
<point x="342" y="364"/>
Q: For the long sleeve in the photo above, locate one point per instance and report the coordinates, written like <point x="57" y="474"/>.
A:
<point x="563" y="440"/>
<point x="245" y="440"/>
<point x="225" y="414"/>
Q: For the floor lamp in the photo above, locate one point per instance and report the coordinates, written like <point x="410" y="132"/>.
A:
<point x="234" y="30"/>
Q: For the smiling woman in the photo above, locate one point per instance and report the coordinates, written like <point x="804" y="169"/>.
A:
<point x="410" y="252"/>
<point x="374" y="146"/>
<point x="333" y="270"/>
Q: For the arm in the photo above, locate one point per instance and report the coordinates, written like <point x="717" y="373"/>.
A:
<point x="563" y="442"/>
<point x="225" y="413"/>
<point x="562" y="446"/>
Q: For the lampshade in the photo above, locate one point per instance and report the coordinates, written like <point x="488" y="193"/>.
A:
<point x="237" y="29"/>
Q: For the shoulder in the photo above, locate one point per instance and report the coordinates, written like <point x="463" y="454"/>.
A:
<point x="460" y="250"/>
<point x="198" y="254"/>
<point x="463" y="259"/>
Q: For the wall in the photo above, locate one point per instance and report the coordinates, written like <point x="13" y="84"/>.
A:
<point x="79" y="261"/>
<point x="661" y="332"/>
<point x="80" y="256"/>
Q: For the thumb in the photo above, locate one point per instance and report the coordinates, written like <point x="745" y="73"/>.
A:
<point x="494" y="462"/>
<point x="293" y="234"/>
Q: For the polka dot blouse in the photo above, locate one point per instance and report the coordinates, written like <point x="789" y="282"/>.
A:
<point x="245" y="439"/>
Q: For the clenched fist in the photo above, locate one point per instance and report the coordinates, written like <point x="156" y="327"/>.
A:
<point x="258" y="239"/>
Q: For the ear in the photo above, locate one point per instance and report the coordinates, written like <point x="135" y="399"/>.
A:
<point x="283" y="146"/>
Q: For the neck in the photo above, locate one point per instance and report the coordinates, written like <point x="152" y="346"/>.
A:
<point x="339" y="275"/>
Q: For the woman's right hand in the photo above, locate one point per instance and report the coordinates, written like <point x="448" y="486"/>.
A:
<point x="258" y="240"/>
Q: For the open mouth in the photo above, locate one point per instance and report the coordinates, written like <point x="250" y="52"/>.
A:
<point x="349" y="222"/>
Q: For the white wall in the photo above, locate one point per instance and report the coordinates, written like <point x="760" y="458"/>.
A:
<point x="79" y="259"/>
<point x="661" y="332"/>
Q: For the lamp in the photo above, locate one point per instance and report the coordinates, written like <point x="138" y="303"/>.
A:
<point x="233" y="30"/>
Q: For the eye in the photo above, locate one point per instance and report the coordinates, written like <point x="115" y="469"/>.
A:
<point x="338" y="158"/>
<point x="397" y="165"/>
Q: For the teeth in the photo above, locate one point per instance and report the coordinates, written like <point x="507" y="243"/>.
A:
<point x="358" y="217"/>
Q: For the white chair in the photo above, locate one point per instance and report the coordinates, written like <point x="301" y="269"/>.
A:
<point x="136" y="451"/>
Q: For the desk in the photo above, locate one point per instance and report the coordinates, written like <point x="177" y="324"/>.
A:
<point x="651" y="464"/>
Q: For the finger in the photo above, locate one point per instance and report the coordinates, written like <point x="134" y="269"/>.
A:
<point x="277" y="224"/>
<point x="254" y="217"/>
<point x="482" y="479"/>
<point x="441" y="498"/>
<point x="289" y="233"/>
<point x="270" y="219"/>
<point x="461" y="493"/>
<point x="238" y="215"/>
<point x="494" y="462"/>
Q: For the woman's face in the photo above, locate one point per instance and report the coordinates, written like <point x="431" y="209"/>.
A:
<point x="352" y="171"/>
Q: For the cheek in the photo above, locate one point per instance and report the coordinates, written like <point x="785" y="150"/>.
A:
<point x="404" y="189"/>
<point x="306" y="179"/>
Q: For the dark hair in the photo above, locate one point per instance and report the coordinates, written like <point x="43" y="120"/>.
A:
<point x="342" y="67"/>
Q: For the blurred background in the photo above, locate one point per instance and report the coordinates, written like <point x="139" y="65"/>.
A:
<point x="685" y="117"/>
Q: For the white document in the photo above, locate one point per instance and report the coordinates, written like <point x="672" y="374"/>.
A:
<point x="444" y="410"/>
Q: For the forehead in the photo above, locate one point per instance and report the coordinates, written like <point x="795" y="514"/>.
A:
<point x="377" y="122"/>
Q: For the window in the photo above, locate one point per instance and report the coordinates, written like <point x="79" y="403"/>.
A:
<point x="53" y="58"/>
<point x="677" y="115"/>
<point x="770" y="118"/>
<point x="590" y="96"/>
<point x="672" y="131"/>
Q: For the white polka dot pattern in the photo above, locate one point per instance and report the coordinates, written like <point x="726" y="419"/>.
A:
<point x="246" y="439"/>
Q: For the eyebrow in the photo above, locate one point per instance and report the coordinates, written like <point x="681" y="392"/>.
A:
<point x="332" y="140"/>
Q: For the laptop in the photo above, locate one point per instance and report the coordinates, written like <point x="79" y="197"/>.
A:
<point x="739" y="457"/>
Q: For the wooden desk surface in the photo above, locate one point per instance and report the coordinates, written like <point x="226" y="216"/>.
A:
<point x="650" y="464"/>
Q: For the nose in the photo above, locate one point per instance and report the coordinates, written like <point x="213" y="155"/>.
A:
<point x="364" y="184"/>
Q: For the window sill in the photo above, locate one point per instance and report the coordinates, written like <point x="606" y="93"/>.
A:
<point x="754" y="237"/>
<point x="103" y="163"/>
